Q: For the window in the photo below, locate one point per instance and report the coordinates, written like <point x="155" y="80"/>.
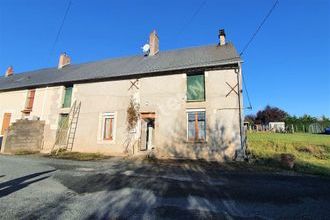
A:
<point x="108" y="126"/>
<point x="29" y="102"/>
<point x="196" y="125"/>
<point x="67" y="97"/>
<point x="195" y="87"/>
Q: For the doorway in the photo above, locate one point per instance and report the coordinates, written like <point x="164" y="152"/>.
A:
<point x="147" y="131"/>
<point x="62" y="129"/>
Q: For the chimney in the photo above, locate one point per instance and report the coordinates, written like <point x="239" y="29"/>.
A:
<point x="154" y="43"/>
<point x="9" y="71"/>
<point x="222" y="37"/>
<point x="64" y="60"/>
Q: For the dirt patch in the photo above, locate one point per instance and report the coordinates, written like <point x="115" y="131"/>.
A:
<point x="315" y="151"/>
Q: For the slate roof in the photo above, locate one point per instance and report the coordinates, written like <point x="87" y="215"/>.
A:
<point x="163" y="62"/>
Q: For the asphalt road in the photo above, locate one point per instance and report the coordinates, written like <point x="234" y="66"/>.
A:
<point x="33" y="187"/>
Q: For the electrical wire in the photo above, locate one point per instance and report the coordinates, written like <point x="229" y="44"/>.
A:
<point x="248" y="44"/>
<point x="61" y="26"/>
<point x="259" y="27"/>
<point x="247" y="93"/>
<point x="192" y="17"/>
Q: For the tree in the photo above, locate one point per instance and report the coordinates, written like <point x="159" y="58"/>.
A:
<point x="270" y="114"/>
<point x="250" y="118"/>
<point x="307" y="119"/>
<point x="325" y="119"/>
<point x="291" y="120"/>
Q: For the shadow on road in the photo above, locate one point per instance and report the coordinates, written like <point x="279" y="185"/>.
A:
<point x="135" y="190"/>
<point x="14" y="185"/>
<point x="182" y="189"/>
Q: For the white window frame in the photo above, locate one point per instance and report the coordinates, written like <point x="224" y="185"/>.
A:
<point x="104" y="116"/>
<point x="187" y="122"/>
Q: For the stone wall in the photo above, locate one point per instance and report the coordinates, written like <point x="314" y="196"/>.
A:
<point x="23" y="135"/>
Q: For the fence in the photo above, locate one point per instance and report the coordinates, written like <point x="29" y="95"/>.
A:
<point x="314" y="128"/>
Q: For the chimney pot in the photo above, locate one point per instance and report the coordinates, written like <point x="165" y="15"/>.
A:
<point x="154" y="43"/>
<point x="9" y="71"/>
<point x="64" y="60"/>
<point x="222" y="37"/>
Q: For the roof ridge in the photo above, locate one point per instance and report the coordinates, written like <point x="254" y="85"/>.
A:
<point x="123" y="57"/>
<point x="159" y="53"/>
<point x="168" y="60"/>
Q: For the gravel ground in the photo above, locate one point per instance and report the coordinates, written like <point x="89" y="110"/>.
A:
<point x="33" y="187"/>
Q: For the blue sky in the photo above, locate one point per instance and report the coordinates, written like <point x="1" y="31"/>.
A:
<point x="287" y="65"/>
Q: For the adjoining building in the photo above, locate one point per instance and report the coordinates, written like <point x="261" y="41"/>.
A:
<point x="276" y="126"/>
<point x="184" y="103"/>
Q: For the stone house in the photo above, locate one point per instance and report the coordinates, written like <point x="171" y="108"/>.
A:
<point x="185" y="103"/>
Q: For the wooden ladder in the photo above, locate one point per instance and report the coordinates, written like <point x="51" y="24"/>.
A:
<point x="70" y="124"/>
<point x="73" y="127"/>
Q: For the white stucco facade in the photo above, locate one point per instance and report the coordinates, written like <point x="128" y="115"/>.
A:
<point x="164" y="96"/>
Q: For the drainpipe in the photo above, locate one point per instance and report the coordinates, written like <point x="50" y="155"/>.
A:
<point x="240" y="154"/>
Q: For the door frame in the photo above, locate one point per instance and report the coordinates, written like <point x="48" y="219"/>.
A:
<point x="146" y="118"/>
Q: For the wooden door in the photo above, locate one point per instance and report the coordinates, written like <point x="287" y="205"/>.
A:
<point x="5" y="122"/>
<point x="62" y="130"/>
<point x="143" y="140"/>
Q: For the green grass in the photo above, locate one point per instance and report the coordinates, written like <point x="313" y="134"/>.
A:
<point x="78" y="156"/>
<point x="25" y="152"/>
<point x="311" y="151"/>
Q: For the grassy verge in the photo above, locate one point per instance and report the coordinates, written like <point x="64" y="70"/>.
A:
<point x="78" y="156"/>
<point x="311" y="151"/>
<point x="25" y="152"/>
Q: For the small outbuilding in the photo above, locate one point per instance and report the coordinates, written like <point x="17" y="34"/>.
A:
<point x="276" y="126"/>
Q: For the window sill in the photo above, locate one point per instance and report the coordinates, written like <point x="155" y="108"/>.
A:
<point x="196" y="142"/>
<point x="192" y="101"/>
<point x="64" y="110"/>
<point x="27" y="110"/>
<point x="106" y="141"/>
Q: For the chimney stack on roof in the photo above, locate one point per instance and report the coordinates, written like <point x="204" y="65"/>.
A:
<point x="9" y="71"/>
<point x="154" y="43"/>
<point x="222" y="37"/>
<point x="64" y="60"/>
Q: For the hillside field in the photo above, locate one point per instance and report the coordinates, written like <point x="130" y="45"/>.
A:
<point x="311" y="151"/>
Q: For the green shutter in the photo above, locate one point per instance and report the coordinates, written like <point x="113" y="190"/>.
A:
<point x="195" y="87"/>
<point x="67" y="97"/>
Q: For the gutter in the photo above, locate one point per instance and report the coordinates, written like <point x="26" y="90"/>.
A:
<point x="238" y="72"/>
